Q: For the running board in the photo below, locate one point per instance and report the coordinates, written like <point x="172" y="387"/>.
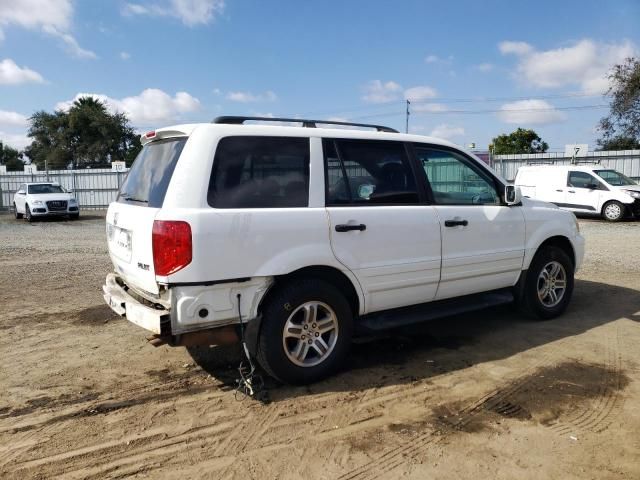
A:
<point x="399" y="317"/>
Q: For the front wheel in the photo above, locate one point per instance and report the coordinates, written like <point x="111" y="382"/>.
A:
<point x="613" y="211"/>
<point x="15" y="209"/>
<point x="27" y="214"/>
<point x="306" y="331"/>
<point x="548" y="284"/>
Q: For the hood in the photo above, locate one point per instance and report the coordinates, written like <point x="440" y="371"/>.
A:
<point x="635" y="188"/>
<point x="530" y="202"/>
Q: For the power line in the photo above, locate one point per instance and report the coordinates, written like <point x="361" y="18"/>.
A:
<point x="479" y="112"/>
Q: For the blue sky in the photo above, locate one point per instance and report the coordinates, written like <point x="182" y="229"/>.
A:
<point x="471" y="69"/>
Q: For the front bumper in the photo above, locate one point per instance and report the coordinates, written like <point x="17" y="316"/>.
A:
<point x="152" y="318"/>
<point x="43" y="211"/>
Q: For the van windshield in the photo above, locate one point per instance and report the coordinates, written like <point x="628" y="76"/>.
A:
<point x="614" y="178"/>
<point x="148" y="180"/>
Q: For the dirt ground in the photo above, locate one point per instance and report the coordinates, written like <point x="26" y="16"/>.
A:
<point x="484" y="395"/>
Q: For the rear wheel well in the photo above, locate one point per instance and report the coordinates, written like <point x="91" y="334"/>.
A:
<point x="330" y="275"/>
<point x="563" y="244"/>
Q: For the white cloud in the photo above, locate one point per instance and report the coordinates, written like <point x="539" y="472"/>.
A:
<point x="431" y="59"/>
<point x="420" y="93"/>
<point x="585" y="64"/>
<point x="190" y="12"/>
<point x="517" y="48"/>
<point x="12" y="74"/>
<point x="151" y="107"/>
<point x="379" y="92"/>
<point x="125" y="55"/>
<point x="484" y="67"/>
<point x="53" y="17"/>
<point x="530" y="112"/>
<point x="16" y="140"/>
<point x="447" y="131"/>
<point x="12" y="119"/>
<point x="248" y="97"/>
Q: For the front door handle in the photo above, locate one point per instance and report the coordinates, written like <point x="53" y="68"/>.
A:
<point x="571" y="191"/>
<point x="558" y="190"/>
<point x="455" y="223"/>
<point x="346" y="227"/>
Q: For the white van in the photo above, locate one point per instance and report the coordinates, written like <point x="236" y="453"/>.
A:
<point x="587" y="189"/>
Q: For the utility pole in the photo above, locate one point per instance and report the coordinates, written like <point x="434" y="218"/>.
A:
<point x="407" y="117"/>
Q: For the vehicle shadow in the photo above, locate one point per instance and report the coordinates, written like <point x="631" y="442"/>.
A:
<point x="420" y="351"/>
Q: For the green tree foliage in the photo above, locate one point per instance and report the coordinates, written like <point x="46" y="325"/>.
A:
<point x="621" y="128"/>
<point x="11" y="158"/>
<point x="519" y="141"/>
<point x="86" y="135"/>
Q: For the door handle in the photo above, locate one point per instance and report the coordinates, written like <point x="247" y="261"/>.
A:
<point x="346" y="227"/>
<point x="571" y="191"/>
<point x="455" y="223"/>
<point x="558" y="190"/>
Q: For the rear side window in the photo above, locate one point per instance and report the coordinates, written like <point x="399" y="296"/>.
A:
<point x="364" y="172"/>
<point x="260" y="172"/>
<point x="148" y="180"/>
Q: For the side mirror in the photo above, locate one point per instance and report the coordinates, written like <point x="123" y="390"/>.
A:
<point x="512" y="195"/>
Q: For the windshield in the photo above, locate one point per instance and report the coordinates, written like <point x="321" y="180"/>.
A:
<point x="148" y="180"/>
<point x="46" y="188"/>
<point x="614" y="178"/>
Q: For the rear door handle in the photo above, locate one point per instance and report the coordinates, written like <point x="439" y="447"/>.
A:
<point x="346" y="227"/>
<point x="571" y="191"/>
<point x="455" y="223"/>
<point x="558" y="190"/>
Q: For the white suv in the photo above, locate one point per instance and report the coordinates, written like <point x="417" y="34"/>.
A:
<point x="307" y="236"/>
<point x="44" y="199"/>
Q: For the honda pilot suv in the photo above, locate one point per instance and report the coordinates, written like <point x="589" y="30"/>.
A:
<point x="298" y="238"/>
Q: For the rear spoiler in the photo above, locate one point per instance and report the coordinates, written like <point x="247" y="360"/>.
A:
<point x="160" y="135"/>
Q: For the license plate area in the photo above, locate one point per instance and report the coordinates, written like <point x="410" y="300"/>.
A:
<point x="119" y="242"/>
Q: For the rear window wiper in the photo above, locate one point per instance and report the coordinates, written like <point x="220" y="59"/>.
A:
<point x="129" y="198"/>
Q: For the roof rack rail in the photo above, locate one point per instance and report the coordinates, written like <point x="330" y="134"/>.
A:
<point x="587" y="161"/>
<point x="541" y="161"/>
<point x="239" y="120"/>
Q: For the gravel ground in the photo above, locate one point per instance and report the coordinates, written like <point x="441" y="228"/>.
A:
<point x="489" y="394"/>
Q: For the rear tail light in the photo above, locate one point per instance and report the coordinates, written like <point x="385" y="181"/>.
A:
<point x="171" y="243"/>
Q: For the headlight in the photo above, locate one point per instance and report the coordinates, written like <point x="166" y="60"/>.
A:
<point x="38" y="202"/>
<point x="73" y="201"/>
<point x="633" y="193"/>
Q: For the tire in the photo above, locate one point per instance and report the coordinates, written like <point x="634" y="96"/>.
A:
<point x="315" y="345"/>
<point x="74" y="216"/>
<point x="18" y="215"/>
<point x="542" y="296"/>
<point x="27" y="214"/>
<point x="613" y="211"/>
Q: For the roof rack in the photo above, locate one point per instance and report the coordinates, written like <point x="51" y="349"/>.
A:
<point x="239" y="120"/>
<point x="541" y="161"/>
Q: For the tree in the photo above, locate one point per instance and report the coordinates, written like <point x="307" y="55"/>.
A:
<point x="519" y="141"/>
<point x="11" y="158"/>
<point x="621" y="128"/>
<point x="86" y="135"/>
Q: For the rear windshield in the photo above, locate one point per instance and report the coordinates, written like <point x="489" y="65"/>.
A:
<point x="35" y="189"/>
<point x="147" y="181"/>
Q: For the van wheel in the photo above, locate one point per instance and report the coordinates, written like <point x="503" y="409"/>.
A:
<point x="27" y="214"/>
<point x="306" y="332"/>
<point x="548" y="284"/>
<point x="613" y="211"/>
<point x="15" y="209"/>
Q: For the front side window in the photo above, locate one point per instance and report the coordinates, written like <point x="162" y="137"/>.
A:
<point x="260" y="172"/>
<point x="363" y="172"/>
<point x="614" y="178"/>
<point x="582" y="180"/>
<point x="453" y="179"/>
